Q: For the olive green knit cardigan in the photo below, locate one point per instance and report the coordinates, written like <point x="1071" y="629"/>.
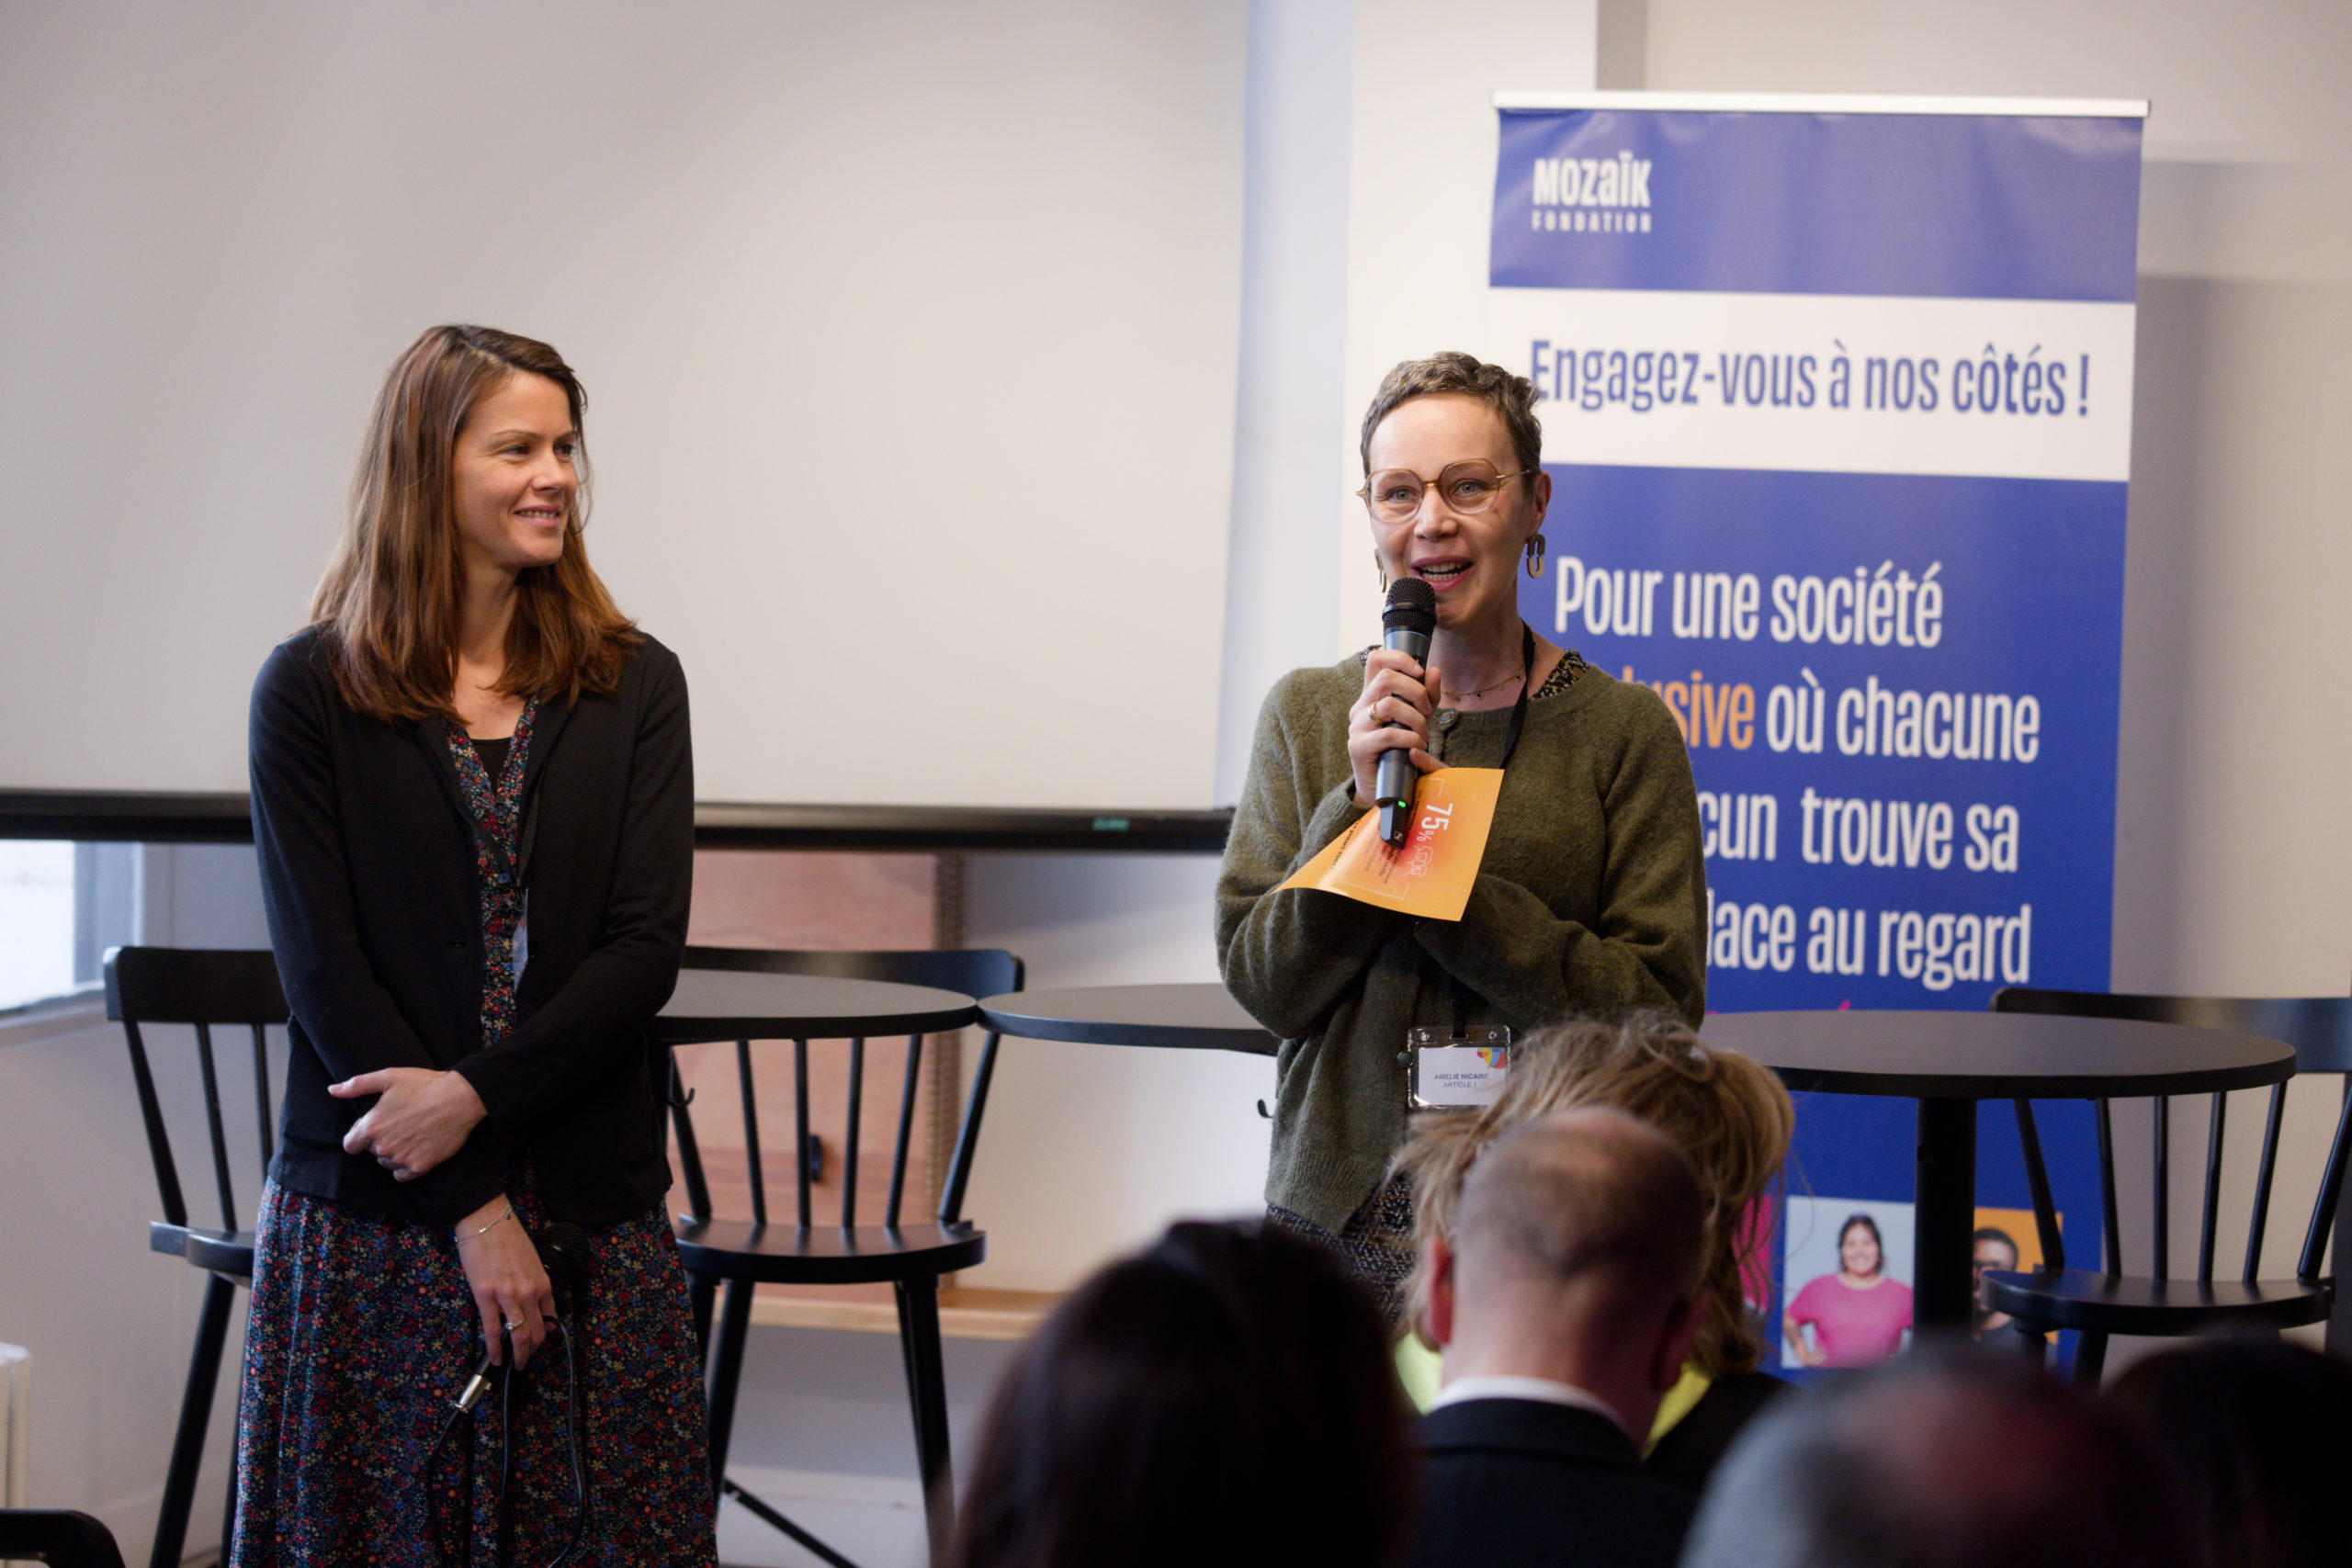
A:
<point x="1592" y="898"/>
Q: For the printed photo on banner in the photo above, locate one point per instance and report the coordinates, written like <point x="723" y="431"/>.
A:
<point x="1847" y="1262"/>
<point x="2006" y="1241"/>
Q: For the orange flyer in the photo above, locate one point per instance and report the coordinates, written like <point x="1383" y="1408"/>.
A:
<point x="1430" y="874"/>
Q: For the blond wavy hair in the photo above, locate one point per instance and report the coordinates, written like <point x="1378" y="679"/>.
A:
<point x="1727" y="1112"/>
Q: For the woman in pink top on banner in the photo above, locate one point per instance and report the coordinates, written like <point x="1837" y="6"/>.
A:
<point x="1857" y="1315"/>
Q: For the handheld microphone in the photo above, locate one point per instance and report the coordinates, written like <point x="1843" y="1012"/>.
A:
<point x="563" y="1253"/>
<point x="1406" y="626"/>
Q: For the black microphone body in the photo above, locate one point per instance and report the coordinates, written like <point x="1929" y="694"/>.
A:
<point x="1406" y="626"/>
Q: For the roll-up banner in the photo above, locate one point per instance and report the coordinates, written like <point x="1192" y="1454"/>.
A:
<point x="1836" y="404"/>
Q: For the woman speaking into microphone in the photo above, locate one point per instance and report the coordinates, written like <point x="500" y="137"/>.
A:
<point x="1592" y="898"/>
<point x="473" y="806"/>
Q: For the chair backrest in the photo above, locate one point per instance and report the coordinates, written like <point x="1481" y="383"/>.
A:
<point x="2319" y="1028"/>
<point x="58" y="1537"/>
<point x="972" y="971"/>
<point x="202" y="988"/>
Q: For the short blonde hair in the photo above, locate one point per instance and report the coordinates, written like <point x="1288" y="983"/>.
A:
<point x="1727" y="1112"/>
<point x="1512" y="399"/>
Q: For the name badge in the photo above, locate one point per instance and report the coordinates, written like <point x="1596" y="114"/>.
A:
<point x="1455" y="1069"/>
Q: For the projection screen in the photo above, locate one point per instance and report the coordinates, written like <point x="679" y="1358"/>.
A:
<point x="909" y="333"/>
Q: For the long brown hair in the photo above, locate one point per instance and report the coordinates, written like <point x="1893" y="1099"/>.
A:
<point x="389" y="602"/>
<point x="1727" y="1112"/>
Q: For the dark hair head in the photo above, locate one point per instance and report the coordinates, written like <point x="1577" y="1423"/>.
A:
<point x="390" y="598"/>
<point x="1862" y="1222"/>
<point x="1224" y="1397"/>
<point x="1995" y="1233"/>
<point x="2258" y="1435"/>
<point x="1512" y="397"/>
<point x="1947" y="1457"/>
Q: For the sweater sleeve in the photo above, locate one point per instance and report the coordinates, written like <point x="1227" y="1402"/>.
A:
<point x="1289" y="956"/>
<point x="1648" y="947"/>
<point x="603" y="1006"/>
<point x="350" y="1019"/>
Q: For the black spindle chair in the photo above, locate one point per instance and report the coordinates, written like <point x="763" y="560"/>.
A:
<point x="744" y="1254"/>
<point x="2098" y="1303"/>
<point x="202" y="988"/>
<point x="58" y="1537"/>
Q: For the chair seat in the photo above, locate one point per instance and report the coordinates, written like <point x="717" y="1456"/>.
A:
<point x="2083" y="1298"/>
<point x="825" y="1255"/>
<point x="215" y="1251"/>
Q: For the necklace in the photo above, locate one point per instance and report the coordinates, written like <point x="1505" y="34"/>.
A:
<point x="1458" y="696"/>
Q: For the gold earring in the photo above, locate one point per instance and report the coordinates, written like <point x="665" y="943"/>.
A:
<point x="1380" y="567"/>
<point x="1536" y="547"/>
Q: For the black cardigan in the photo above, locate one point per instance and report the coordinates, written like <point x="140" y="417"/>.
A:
<point x="368" y="867"/>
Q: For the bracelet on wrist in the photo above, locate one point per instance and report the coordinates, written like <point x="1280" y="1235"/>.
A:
<point x="502" y="1218"/>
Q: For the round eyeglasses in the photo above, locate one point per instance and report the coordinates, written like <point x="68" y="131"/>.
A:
<point x="1394" y="495"/>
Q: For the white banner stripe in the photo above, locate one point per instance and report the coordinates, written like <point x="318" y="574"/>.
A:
<point x="1825" y="383"/>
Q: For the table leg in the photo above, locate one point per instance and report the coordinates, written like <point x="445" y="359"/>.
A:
<point x="1944" y="1216"/>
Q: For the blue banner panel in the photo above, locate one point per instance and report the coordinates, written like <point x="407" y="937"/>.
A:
<point x="1838" y="406"/>
<point x="1950" y="205"/>
<point x="1900" y="695"/>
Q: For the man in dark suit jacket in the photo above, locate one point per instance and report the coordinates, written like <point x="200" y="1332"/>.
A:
<point x="1565" y="1303"/>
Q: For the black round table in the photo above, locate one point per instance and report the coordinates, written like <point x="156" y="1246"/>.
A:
<point x="1946" y="1061"/>
<point x="726" y="1004"/>
<point x="1200" y="1016"/>
<point x="1949" y="1061"/>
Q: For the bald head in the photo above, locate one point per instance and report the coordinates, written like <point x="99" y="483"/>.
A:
<point x="1587" y="1198"/>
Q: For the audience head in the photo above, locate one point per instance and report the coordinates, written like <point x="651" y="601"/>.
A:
<point x="1949" y="1457"/>
<point x="1574" y="1257"/>
<point x="2258" y="1435"/>
<point x="1577" y="1201"/>
<point x="1224" y="1397"/>
<point x="1726" y="1111"/>
<point x="391" y="596"/>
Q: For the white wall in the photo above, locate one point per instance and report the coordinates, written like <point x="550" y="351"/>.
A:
<point x="1421" y="152"/>
<point x="1090" y="1150"/>
<point x="907" y="327"/>
<point x="1282" y="584"/>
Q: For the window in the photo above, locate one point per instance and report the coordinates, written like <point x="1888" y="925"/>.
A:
<point x="61" y="905"/>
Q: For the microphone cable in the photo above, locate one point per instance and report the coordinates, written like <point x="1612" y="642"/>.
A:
<point x="464" y="1412"/>
<point x="571" y="1419"/>
<point x="563" y="1249"/>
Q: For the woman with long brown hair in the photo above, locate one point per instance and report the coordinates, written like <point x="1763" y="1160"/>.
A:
<point x="473" y="803"/>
